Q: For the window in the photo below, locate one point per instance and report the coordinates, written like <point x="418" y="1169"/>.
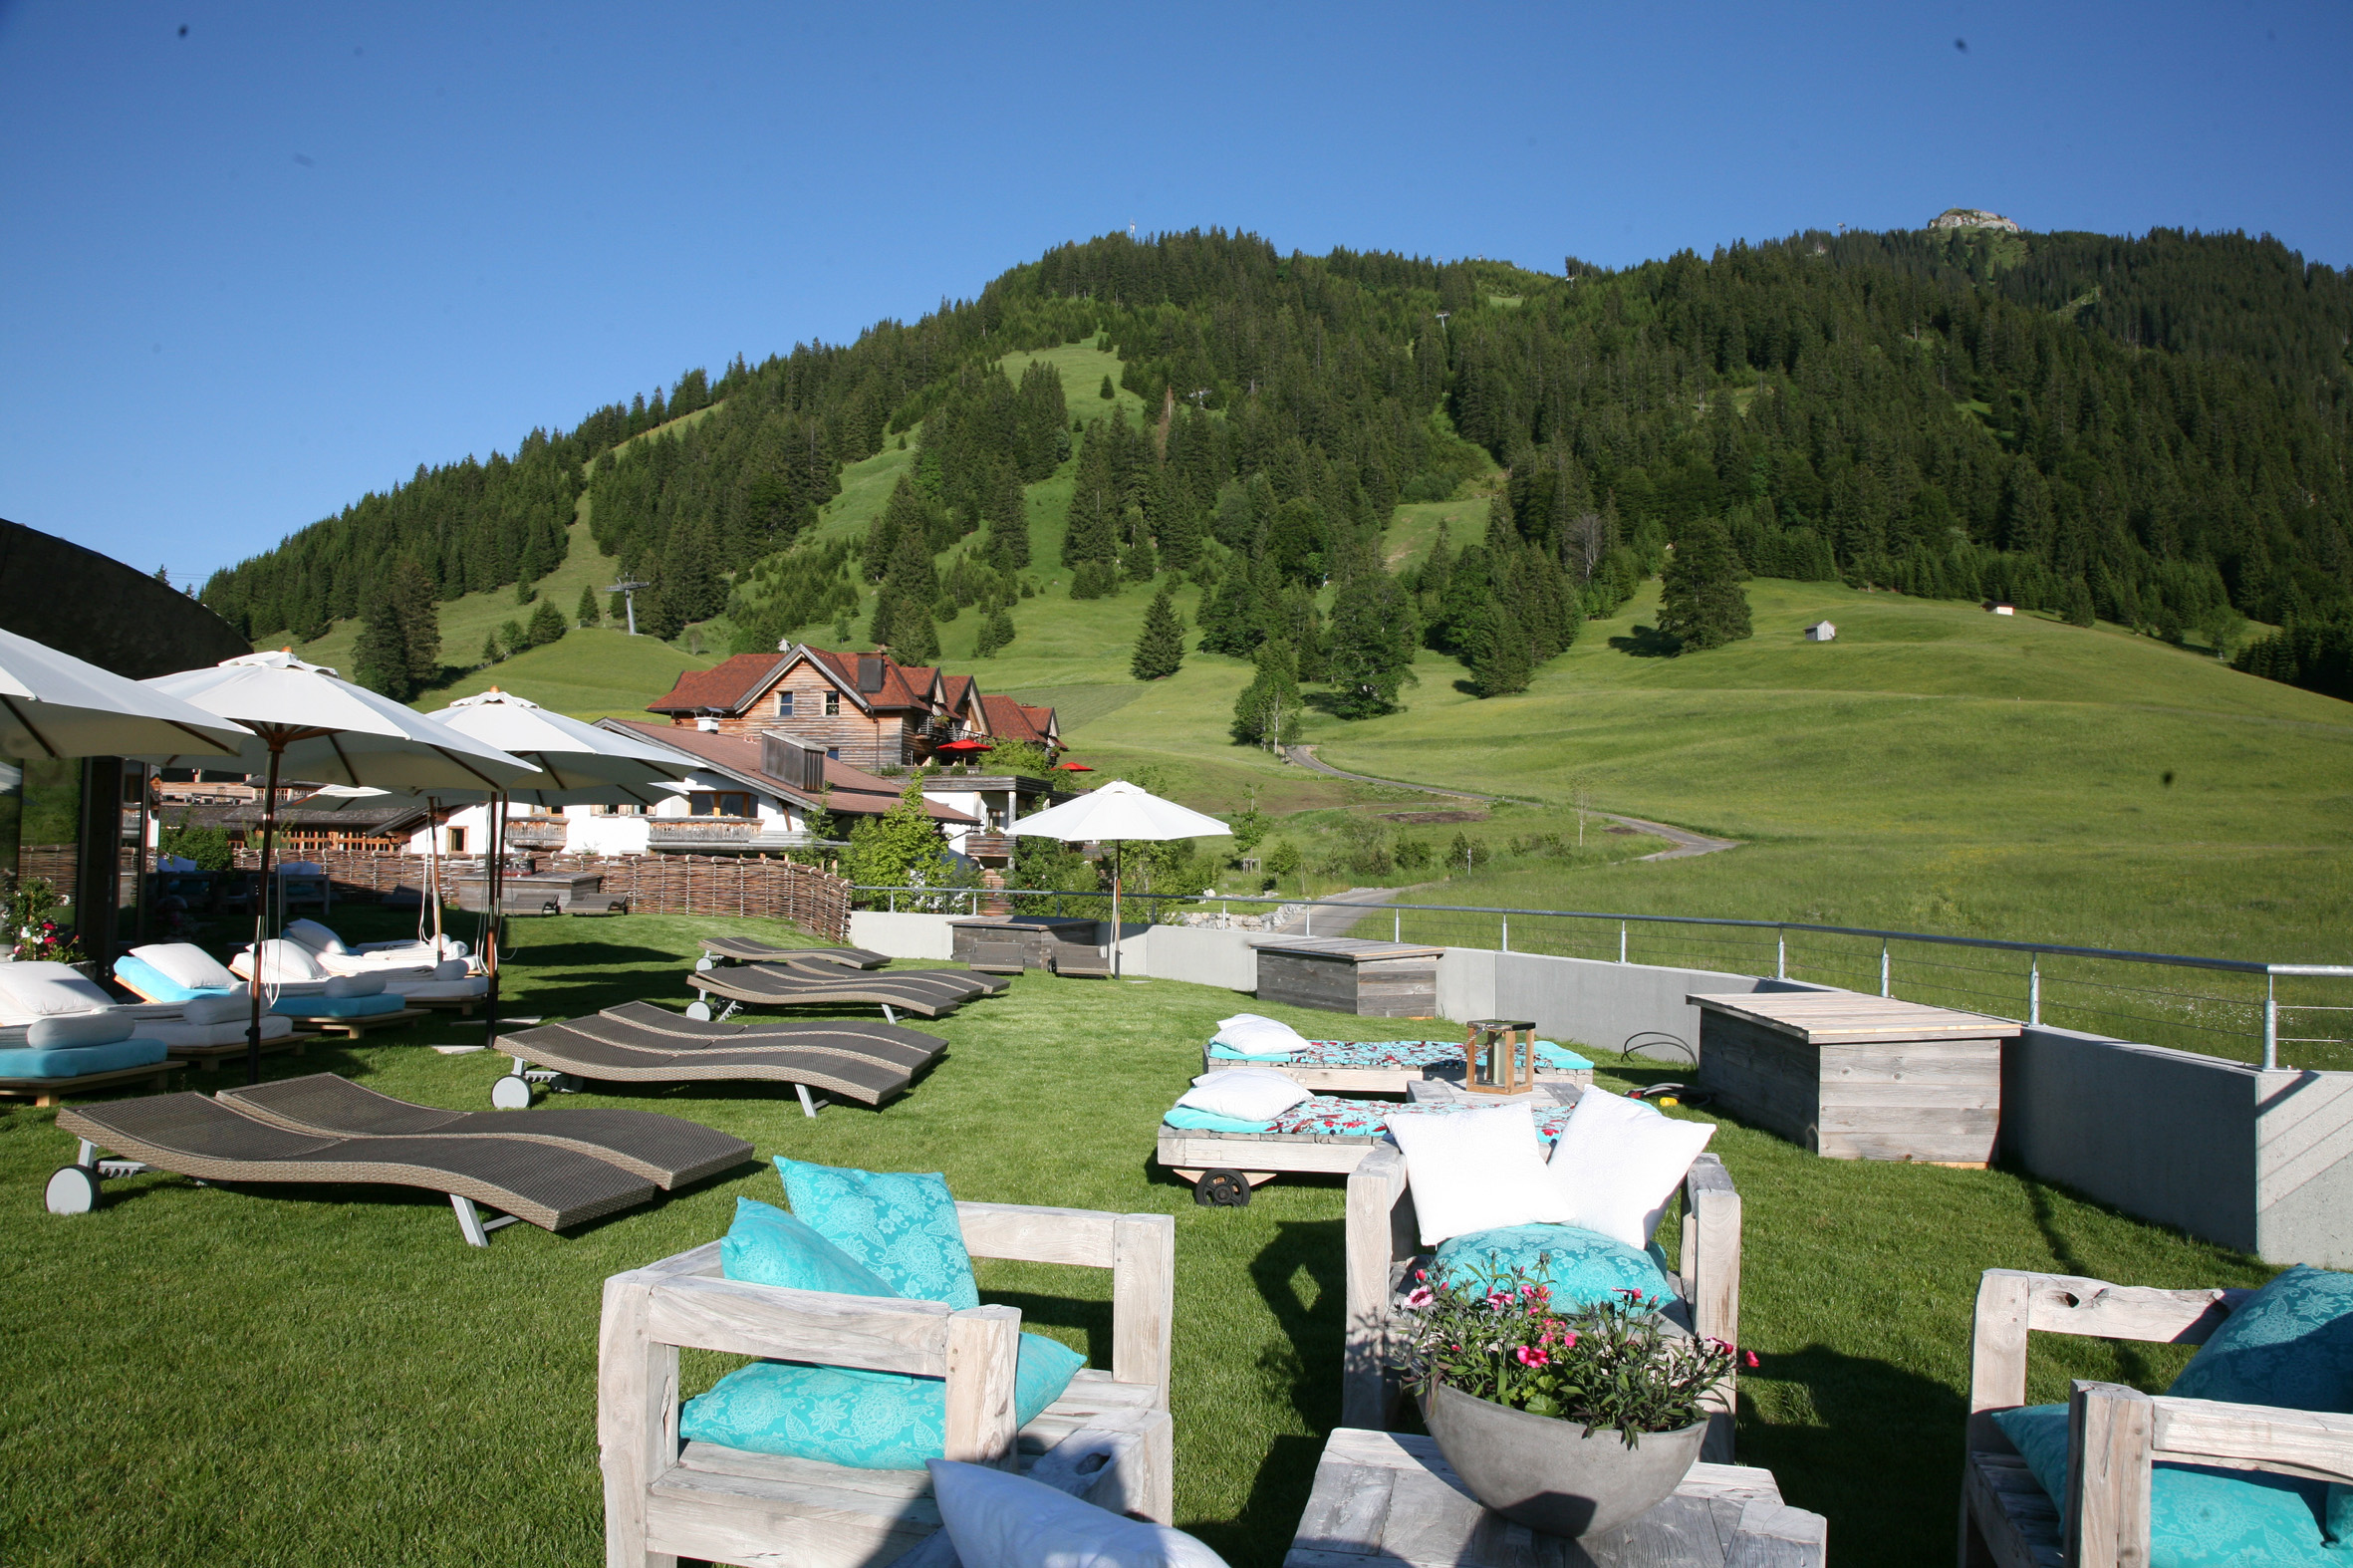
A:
<point x="784" y="704"/>
<point x="832" y="703"/>
<point x="456" y="841"/>
<point x="719" y="803"/>
<point x="833" y="753"/>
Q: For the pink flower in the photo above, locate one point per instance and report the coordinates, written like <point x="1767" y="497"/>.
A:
<point x="1498" y="1301"/>
<point x="1530" y="1356"/>
<point x="1749" y="1356"/>
<point x="1421" y="1274"/>
<point x="1568" y="1340"/>
<point x="1418" y="1298"/>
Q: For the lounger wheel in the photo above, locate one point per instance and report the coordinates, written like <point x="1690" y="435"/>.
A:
<point x="72" y="1189"/>
<point x="700" y="1012"/>
<point x="1222" y="1189"/>
<point x="511" y="1093"/>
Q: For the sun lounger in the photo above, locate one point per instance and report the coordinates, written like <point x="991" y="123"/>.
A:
<point x="1384" y="1066"/>
<point x="192" y="1135"/>
<point x="747" y="949"/>
<point x="202" y="1035"/>
<point x="1325" y="1136"/>
<point x="825" y="967"/>
<point x="666" y="1151"/>
<point x="658" y="1029"/>
<point x="761" y="985"/>
<point x="837" y="1060"/>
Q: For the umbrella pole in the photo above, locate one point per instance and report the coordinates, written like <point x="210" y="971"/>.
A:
<point x="1117" y="845"/>
<point x="493" y="883"/>
<point x="261" y="907"/>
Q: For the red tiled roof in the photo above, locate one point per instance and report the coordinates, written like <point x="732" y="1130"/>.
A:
<point x="852" y="790"/>
<point x="723" y="687"/>
<point x="901" y="687"/>
<point x="1009" y="719"/>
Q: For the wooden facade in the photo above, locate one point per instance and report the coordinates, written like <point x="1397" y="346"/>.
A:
<point x="1343" y="975"/>
<point x="1857" y="1077"/>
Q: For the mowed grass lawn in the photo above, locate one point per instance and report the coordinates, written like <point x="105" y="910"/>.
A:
<point x="267" y="1376"/>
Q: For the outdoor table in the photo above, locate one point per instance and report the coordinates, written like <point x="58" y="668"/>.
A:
<point x="1389" y="1499"/>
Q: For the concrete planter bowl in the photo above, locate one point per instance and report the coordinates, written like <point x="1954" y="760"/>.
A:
<point x="1554" y="1476"/>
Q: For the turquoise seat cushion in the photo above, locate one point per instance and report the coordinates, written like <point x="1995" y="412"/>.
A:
<point x="337" y="1006"/>
<point x="2198" y="1517"/>
<point x="1582" y="1266"/>
<point x="899" y="1226"/>
<point x="2290" y="1342"/>
<point x="153" y="983"/>
<point x="868" y="1421"/>
<point x="767" y="1246"/>
<point x="75" y="1061"/>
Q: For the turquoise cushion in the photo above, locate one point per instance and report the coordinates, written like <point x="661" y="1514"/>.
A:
<point x="337" y="1006"/>
<point x="2290" y="1342"/>
<point x="768" y="1247"/>
<point x="900" y="1225"/>
<point x="870" y="1421"/>
<point x="152" y="984"/>
<point x="2198" y="1517"/>
<point x="1582" y="1266"/>
<point x="72" y="1060"/>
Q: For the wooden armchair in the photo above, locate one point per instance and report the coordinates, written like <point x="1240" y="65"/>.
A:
<point x="1384" y="1246"/>
<point x="664" y="1499"/>
<point x="2116" y="1432"/>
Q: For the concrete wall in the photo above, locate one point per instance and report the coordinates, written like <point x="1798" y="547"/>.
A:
<point x="1202" y="956"/>
<point x="1588" y="1001"/>
<point x="904" y="936"/>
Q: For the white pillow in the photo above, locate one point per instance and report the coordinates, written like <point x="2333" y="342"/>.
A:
<point x="1000" y="1520"/>
<point x="1618" y="1161"/>
<point x="1475" y="1171"/>
<point x="216" y="1009"/>
<point x="450" y="969"/>
<point x="1257" y="1036"/>
<point x="1247" y="1094"/>
<point x="58" y="1030"/>
<point x="282" y="962"/>
<point x="355" y="985"/>
<point x="37" y="988"/>
<point x="185" y="965"/>
<point x="317" y="938"/>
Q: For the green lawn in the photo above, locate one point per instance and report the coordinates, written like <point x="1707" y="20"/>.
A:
<point x="326" y="1377"/>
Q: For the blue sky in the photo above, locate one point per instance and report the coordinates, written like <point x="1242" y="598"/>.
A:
<point x="257" y="268"/>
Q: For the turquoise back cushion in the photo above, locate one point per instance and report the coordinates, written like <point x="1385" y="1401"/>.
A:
<point x="1582" y="1266"/>
<point x="899" y="1226"/>
<point x="768" y="1247"/>
<point x="2290" y="1342"/>
<point x="2197" y="1517"/>
<point x="337" y="1006"/>
<point x="868" y="1421"/>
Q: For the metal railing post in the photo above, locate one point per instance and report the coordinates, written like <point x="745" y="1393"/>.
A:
<point x="1507" y="933"/>
<point x="1311" y="920"/>
<point x="1780" y="955"/>
<point x="895" y="901"/>
<point x="1882" y="970"/>
<point x="1621" y="941"/>
<point x="1397" y="926"/>
<point x="2270" y="1022"/>
<point x="2034" y="990"/>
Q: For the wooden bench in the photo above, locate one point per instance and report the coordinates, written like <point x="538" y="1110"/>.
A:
<point x="1384" y="1245"/>
<point x="2007" y="1518"/>
<point x="664" y="1499"/>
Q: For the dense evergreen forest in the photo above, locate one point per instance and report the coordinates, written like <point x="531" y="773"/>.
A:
<point x="2149" y="430"/>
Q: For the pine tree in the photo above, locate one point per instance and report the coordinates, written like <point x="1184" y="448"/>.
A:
<point x="547" y="624"/>
<point x="418" y="608"/>
<point x="996" y="629"/>
<point x="586" y="614"/>
<point x="1094" y="580"/>
<point x="1160" y="647"/>
<point x="491" y="653"/>
<point x="1268" y="712"/>
<point x="513" y="638"/>
<point x="914" y="638"/>
<point x="1500" y="662"/>
<point x="1702" y="604"/>
<point x="1107" y="393"/>
<point x="380" y="661"/>
<point x="1372" y="645"/>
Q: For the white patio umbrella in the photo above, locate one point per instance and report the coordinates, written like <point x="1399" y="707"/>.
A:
<point x="53" y="705"/>
<point x="308" y="722"/>
<point x="1117" y="812"/>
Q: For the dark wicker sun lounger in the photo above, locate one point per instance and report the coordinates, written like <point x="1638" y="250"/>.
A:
<point x="189" y="1135"/>
<point x="649" y="1027"/>
<point x="824" y="968"/>
<point x="666" y="1151"/>
<point x="761" y="985"/>
<point x="745" y="949"/>
<point x="592" y="1048"/>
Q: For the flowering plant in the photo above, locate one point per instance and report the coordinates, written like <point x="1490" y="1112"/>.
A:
<point x="1612" y="1366"/>
<point x="34" y="934"/>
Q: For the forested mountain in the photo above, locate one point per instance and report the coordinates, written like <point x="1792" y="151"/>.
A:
<point x="2154" y="430"/>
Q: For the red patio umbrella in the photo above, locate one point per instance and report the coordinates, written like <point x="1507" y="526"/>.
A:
<point x="1073" y="767"/>
<point x="966" y="745"/>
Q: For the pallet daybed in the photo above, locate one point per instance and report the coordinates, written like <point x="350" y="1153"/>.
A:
<point x="1384" y="1247"/>
<point x="664" y="1499"/>
<point x="1351" y="1067"/>
<point x="51" y="1091"/>
<point x="2007" y="1518"/>
<point x="353" y="1028"/>
<point x="1313" y="1139"/>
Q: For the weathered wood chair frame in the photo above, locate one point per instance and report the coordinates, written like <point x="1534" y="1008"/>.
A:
<point x="2116" y="1432"/>
<point x="1385" y="1244"/>
<point x="664" y="1500"/>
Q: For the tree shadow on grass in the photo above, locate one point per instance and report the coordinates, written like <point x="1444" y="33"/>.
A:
<point x="1261" y="1533"/>
<point x="1648" y="642"/>
<point x="1298" y="1366"/>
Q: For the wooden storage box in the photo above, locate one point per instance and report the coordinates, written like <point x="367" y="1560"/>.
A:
<point x="1343" y="975"/>
<point x="530" y="894"/>
<point x="1857" y="1077"/>
<point x="1042" y="936"/>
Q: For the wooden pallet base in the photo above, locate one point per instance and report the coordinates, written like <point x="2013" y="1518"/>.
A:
<point x="208" y="1058"/>
<point x="49" y="1090"/>
<point x="353" y="1028"/>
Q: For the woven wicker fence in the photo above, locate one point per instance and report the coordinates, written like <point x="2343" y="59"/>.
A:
<point x="734" y="885"/>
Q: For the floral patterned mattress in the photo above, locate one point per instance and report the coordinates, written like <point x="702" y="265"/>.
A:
<point x="1405" y="1055"/>
<point x="1330" y="1116"/>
